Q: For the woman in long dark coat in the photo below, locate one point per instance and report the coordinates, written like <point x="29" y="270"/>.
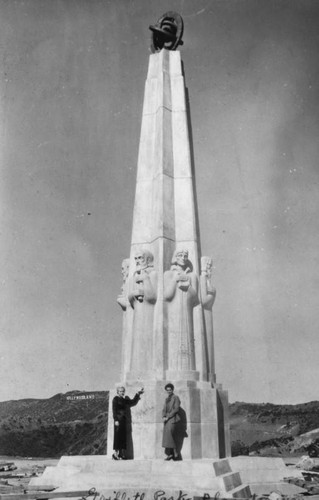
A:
<point x="171" y="419"/>
<point x="121" y="405"/>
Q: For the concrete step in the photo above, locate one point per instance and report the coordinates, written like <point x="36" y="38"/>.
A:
<point x="222" y="467"/>
<point x="231" y="480"/>
<point x="242" y="491"/>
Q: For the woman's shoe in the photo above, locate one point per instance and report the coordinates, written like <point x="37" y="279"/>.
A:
<point x="170" y="457"/>
<point x="115" y="457"/>
<point x="177" y="459"/>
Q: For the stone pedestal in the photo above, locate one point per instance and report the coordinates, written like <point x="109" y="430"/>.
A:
<point x="205" y="410"/>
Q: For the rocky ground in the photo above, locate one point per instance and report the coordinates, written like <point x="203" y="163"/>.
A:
<point x="274" y="430"/>
<point x="20" y="471"/>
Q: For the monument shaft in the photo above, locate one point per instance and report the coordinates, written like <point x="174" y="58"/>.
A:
<point x="164" y="210"/>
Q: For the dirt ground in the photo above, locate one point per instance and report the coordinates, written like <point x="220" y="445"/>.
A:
<point x="29" y="462"/>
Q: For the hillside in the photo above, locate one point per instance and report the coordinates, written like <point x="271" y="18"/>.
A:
<point x="74" y="423"/>
<point x="271" y="429"/>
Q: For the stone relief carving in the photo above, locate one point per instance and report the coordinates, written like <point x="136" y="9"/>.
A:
<point x="144" y="279"/>
<point x="122" y="299"/>
<point x="181" y="294"/>
<point x="142" y="297"/>
<point x="143" y="409"/>
<point x="208" y="295"/>
<point x="208" y="291"/>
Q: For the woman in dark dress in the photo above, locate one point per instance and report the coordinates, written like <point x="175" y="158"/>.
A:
<point x="171" y="419"/>
<point x="121" y="405"/>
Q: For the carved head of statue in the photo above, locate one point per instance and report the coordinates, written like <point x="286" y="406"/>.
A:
<point x="207" y="265"/>
<point x="143" y="259"/>
<point x="180" y="258"/>
<point x="125" y="268"/>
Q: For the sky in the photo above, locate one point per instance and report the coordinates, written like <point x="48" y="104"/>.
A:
<point x="71" y="96"/>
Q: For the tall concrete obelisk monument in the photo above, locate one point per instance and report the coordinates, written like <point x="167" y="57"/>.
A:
<point x="167" y="296"/>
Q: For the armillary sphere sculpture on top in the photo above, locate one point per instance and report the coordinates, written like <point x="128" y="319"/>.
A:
<point x="167" y="32"/>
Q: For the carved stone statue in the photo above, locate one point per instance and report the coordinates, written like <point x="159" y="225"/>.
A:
<point x="142" y="296"/>
<point x="208" y="295"/>
<point x="181" y="293"/>
<point x="122" y="299"/>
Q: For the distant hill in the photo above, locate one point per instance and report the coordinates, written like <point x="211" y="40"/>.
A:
<point x="269" y="429"/>
<point x="74" y="423"/>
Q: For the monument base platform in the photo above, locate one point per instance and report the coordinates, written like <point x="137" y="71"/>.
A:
<point x="143" y="479"/>
<point x="204" y="424"/>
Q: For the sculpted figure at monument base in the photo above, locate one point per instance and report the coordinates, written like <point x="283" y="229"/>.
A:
<point x="122" y="299"/>
<point x="208" y="295"/>
<point x="142" y="295"/>
<point x="181" y="294"/>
